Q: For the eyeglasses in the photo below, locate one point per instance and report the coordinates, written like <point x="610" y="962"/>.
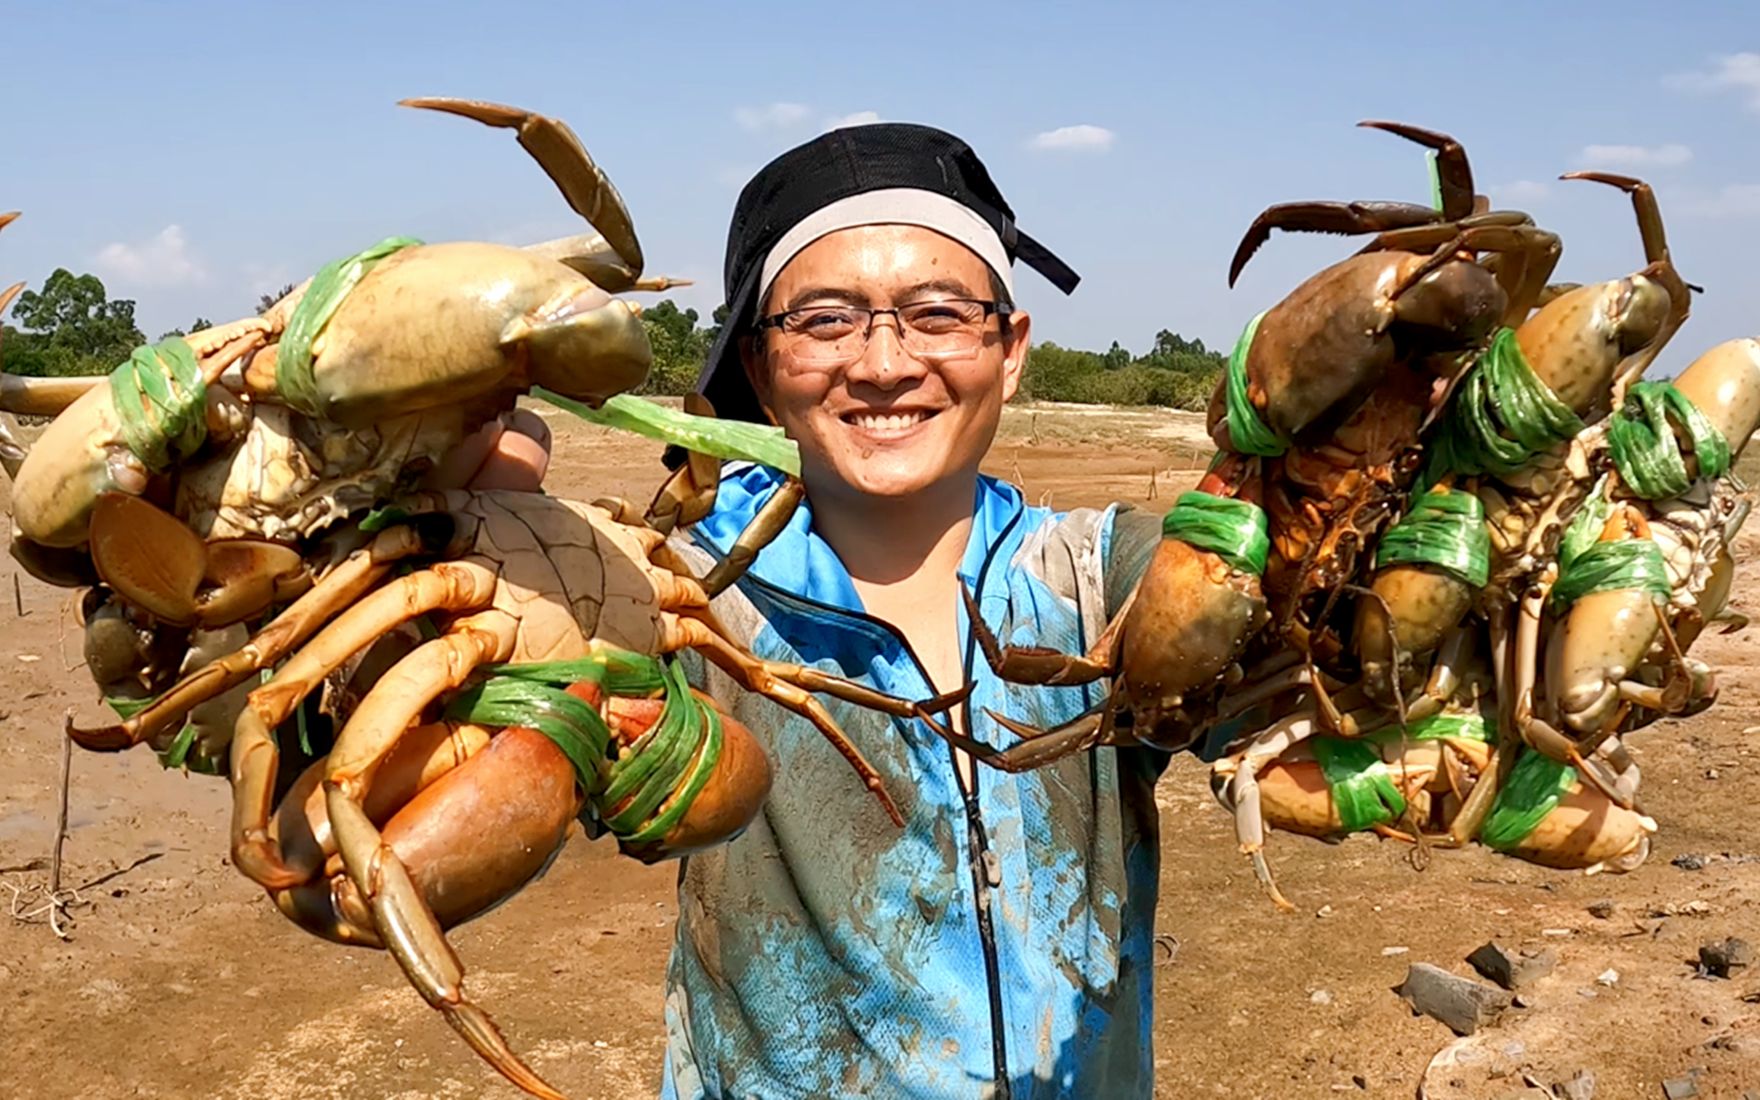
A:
<point x="828" y="336"/>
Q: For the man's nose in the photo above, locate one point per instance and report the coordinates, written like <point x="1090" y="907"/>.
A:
<point x="884" y="362"/>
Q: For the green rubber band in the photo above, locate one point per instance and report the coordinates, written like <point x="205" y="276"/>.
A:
<point x="1445" y="528"/>
<point x="176" y="752"/>
<point x="663" y="762"/>
<point x="1646" y="448"/>
<point x="1619" y="566"/>
<point x="160" y="402"/>
<point x="1536" y="784"/>
<point x="294" y="379"/>
<point x="680" y="804"/>
<point x="1584" y="529"/>
<point x="1248" y="434"/>
<point x="575" y="727"/>
<point x="1501" y="416"/>
<point x="1362" y="790"/>
<point x="618" y="671"/>
<point x="1233" y="530"/>
<point x="1438" y="727"/>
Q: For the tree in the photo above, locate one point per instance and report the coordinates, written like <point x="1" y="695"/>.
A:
<point x="679" y="348"/>
<point x="197" y="325"/>
<point x="70" y="327"/>
<point x="266" y="301"/>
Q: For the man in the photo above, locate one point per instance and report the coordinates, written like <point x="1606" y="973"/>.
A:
<point x="999" y="944"/>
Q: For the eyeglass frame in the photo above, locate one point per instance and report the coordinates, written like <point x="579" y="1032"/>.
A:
<point x="991" y="307"/>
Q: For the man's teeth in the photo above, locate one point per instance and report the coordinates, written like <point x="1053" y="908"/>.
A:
<point x="887" y="422"/>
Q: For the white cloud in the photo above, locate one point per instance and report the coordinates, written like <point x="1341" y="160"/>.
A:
<point x="1519" y="191"/>
<point x="1738" y="72"/>
<point x="162" y="260"/>
<point x="860" y="118"/>
<point x="772" y="116"/>
<point x="1083" y="138"/>
<point x="1636" y="156"/>
<point x="1732" y="200"/>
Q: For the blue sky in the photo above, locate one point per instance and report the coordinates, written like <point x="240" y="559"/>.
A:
<point x="194" y="155"/>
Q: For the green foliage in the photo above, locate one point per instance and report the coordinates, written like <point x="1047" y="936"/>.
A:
<point x="70" y="327"/>
<point x="679" y="346"/>
<point x="1176" y="372"/>
<point x="265" y="301"/>
<point x="196" y="325"/>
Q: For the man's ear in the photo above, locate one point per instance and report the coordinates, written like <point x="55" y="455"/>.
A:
<point x="1014" y="353"/>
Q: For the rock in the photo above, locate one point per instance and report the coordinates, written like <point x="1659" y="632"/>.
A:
<point x="1510" y="969"/>
<point x="1320" y="997"/>
<point x="1679" y="1088"/>
<point x="1580" y="1087"/>
<point x="1718" y="957"/>
<point x="1601" y="909"/>
<point x="1389" y="952"/>
<point x="1690" y="861"/>
<point x="1461" y="1003"/>
<point x="1608" y="977"/>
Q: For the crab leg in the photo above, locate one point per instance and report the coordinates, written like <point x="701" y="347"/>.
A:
<point x="770" y="521"/>
<point x="616" y="264"/>
<point x="1241" y="793"/>
<point x="406" y="925"/>
<point x="1036" y="665"/>
<point x="447" y="586"/>
<point x="358" y="573"/>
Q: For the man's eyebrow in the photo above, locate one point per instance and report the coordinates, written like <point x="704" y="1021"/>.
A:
<point x="952" y="287"/>
<point x="814" y="294"/>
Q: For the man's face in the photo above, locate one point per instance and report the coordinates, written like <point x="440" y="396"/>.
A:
<point x="888" y="424"/>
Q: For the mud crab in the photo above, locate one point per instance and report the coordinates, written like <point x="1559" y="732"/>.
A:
<point x="529" y="594"/>
<point x="407" y="346"/>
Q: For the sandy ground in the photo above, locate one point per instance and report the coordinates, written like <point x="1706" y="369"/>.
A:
<point x="180" y="980"/>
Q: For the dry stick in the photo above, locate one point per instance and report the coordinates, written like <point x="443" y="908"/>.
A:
<point x="17" y="595"/>
<point x="61" y="814"/>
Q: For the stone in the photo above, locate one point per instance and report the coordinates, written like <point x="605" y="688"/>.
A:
<point x="1601" y="909"/>
<point x="1580" y="1087"/>
<point x="1718" y="957"/>
<point x="1690" y="861"/>
<point x="1679" y="1088"/>
<point x="1320" y="997"/>
<point x="1462" y="1003"/>
<point x="1607" y="977"/>
<point x="1512" y="969"/>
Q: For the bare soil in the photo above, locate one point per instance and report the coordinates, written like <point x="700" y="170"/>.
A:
<point x="181" y="980"/>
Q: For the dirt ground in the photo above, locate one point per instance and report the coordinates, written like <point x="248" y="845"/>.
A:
<point x="181" y="980"/>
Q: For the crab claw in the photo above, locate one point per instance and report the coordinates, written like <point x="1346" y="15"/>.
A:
<point x="614" y="262"/>
<point x="1343" y="218"/>
<point x="1454" y="175"/>
<point x="156" y="563"/>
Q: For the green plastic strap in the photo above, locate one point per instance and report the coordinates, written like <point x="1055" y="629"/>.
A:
<point x="176" y="752"/>
<point x="574" y="726"/>
<point x="128" y="708"/>
<point x="662" y="823"/>
<point x="1445" y="528"/>
<point x="617" y="671"/>
<point x="294" y="381"/>
<point x="1584" y="529"/>
<point x="1501" y="416"/>
<point x="1233" y="530"/>
<point x="1435" y="170"/>
<point x="651" y="768"/>
<point x="1247" y="433"/>
<point x="1535" y="785"/>
<point x="1647" y="451"/>
<point x="1618" y="566"/>
<point x="1362" y="790"/>
<point x="160" y="402"/>
<point x="731" y="439"/>
<point x="1437" y="727"/>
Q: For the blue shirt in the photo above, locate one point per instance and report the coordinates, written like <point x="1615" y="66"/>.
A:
<point x="998" y="944"/>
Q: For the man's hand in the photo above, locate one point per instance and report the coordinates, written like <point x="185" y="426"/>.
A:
<point x="510" y="452"/>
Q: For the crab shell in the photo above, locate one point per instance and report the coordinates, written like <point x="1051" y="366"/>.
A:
<point x="1725" y="384"/>
<point x="441" y="324"/>
<point x="1587" y="830"/>
<point x="1576" y="342"/>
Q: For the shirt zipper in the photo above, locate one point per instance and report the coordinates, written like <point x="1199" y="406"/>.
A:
<point x="985" y="868"/>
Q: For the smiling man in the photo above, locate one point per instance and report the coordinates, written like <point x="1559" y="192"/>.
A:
<point x="999" y="944"/>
